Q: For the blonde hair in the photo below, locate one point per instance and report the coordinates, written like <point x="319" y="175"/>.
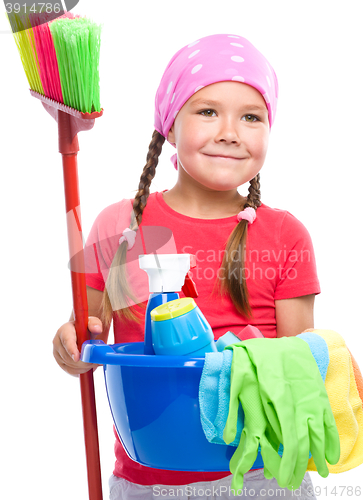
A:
<point x="117" y="289"/>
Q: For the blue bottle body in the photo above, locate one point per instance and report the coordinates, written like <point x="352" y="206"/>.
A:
<point x="187" y="334"/>
<point x="155" y="300"/>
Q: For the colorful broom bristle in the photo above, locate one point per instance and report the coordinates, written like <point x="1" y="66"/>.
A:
<point x="77" y="45"/>
<point x="24" y="39"/>
<point x="48" y="65"/>
<point x="61" y="58"/>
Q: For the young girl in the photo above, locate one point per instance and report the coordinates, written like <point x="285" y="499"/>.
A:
<point x="216" y="104"/>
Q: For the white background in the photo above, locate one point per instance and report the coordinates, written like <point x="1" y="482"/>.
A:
<point x="313" y="169"/>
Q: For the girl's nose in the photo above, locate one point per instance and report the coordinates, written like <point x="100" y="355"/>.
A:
<point x="228" y="132"/>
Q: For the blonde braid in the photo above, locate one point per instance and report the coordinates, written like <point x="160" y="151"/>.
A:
<point x="117" y="290"/>
<point x="233" y="269"/>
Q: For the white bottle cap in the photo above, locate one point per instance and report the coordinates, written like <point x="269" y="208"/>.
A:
<point x="166" y="271"/>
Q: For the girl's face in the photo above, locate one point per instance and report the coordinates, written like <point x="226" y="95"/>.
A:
<point x="221" y="135"/>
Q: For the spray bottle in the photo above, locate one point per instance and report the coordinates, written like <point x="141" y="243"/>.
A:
<point x="168" y="274"/>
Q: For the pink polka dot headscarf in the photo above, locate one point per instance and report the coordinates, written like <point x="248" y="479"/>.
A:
<point x="212" y="59"/>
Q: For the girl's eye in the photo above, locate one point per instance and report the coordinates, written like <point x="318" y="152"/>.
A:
<point x="207" y="112"/>
<point x="254" y="118"/>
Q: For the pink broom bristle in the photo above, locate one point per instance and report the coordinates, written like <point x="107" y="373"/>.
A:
<point x="44" y="52"/>
<point x="48" y="66"/>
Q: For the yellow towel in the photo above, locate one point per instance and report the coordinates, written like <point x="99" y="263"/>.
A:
<point x="345" y="402"/>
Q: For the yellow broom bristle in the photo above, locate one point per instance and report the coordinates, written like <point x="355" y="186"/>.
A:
<point x="24" y="39"/>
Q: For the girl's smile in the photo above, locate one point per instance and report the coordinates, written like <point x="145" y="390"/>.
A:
<point x="225" y="157"/>
<point x="221" y="135"/>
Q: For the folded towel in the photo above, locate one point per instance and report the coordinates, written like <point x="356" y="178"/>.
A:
<point x="214" y="389"/>
<point x="342" y="381"/>
<point x="208" y="393"/>
<point x="226" y="339"/>
<point x="319" y="350"/>
<point x="224" y="390"/>
<point x="215" y="383"/>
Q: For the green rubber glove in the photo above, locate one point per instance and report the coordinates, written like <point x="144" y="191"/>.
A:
<point x="256" y="430"/>
<point x="296" y="404"/>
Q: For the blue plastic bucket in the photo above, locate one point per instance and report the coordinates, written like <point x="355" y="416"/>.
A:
<point x="155" y="408"/>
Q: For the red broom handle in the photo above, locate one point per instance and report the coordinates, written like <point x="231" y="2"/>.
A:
<point x="68" y="147"/>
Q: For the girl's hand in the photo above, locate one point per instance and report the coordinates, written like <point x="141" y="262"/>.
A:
<point x="65" y="348"/>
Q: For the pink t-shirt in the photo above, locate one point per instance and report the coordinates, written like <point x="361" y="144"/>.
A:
<point x="280" y="264"/>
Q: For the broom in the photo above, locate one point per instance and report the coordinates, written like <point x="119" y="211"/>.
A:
<point x="60" y="58"/>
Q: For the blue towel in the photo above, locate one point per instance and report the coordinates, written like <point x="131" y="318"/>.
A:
<point x="208" y="392"/>
<point x="319" y="350"/>
<point x="215" y="383"/>
<point x="214" y="390"/>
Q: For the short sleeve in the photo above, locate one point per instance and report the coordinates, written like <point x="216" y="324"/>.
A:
<point x="297" y="266"/>
<point x="102" y="242"/>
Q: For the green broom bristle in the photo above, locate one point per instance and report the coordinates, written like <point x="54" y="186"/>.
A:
<point x="77" y="45"/>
